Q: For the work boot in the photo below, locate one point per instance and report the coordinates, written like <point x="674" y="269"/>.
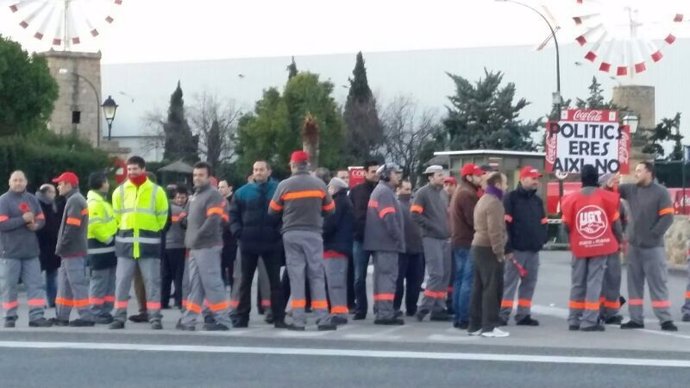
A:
<point x="421" y="314"/>
<point x="116" y="325"/>
<point x="326" y="327"/>
<point x="527" y="321"/>
<point x="81" y="323"/>
<point x="573" y="327"/>
<point x="10" y="323"/>
<point x="215" y="326"/>
<point x="103" y="319"/>
<point x="156" y="325"/>
<point x="632" y="325"/>
<point x="140" y="318"/>
<point x="686" y="317"/>
<point x="240" y="323"/>
<point x="183" y="327"/>
<point x="40" y="322"/>
<point x="597" y="327"/>
<point x="59" y="322"/>
<point x="269" y="316"/>
<point x="389" y="321"/>
<point x="669" y="326"/>
<point x="280" y="325"/>
<point x="293" y="327"/>
<point x="440" y="316"/>
<point x="339" y="320"/>
<point x="398" y="314"/>
<point x="614" y="320"/>
<point x="359" y="316"/>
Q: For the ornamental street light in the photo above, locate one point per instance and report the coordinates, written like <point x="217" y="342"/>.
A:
<point x="109" y="110"/>
<point x="632" y="121"/>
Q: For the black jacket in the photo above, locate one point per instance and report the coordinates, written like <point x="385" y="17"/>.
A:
<point x="229" y="240"/>
<point x="359" y="196"/>
<point x="413" y="237"/>
<point x="47" y="236"/>
<point x="337" y="228"/>
<point x="255" y="230"/>
<point x="526" y="221"/>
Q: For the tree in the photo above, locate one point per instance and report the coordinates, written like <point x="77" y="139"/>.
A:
<point x="180" y="143"/>
<point x="364" y="132"/>
<point x="274" y="129"/>
<point x="407" y="132"/>
<point x="27" y="90"/>
<point x="667" y="129"/>
<point x="292" y="69"/>
<point x="483" y="116"/>
<point x="215" y="125"/>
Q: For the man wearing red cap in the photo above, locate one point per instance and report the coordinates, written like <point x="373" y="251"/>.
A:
<point x="73" y="286"/>
<point x="462" y="206"/>
<point x="526" y="224"/>
<point x="303" y="201"/>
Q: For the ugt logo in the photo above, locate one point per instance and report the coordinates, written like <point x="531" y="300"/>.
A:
<point x="591" y="222"/>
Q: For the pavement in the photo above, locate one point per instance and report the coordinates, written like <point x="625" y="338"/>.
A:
<point x="418" y="353"/>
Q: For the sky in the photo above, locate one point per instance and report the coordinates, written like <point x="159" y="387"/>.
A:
<point x="178" y="30"/>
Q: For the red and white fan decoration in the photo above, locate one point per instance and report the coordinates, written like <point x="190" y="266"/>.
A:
<point x="620" y="35"/>
<point x="64" y="23"/>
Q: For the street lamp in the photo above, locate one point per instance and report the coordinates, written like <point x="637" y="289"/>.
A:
<point x="109" y="109"/>
<point x="98" y="100"/>
<point x="556" y="98"/>
<point x="632" y="121"/>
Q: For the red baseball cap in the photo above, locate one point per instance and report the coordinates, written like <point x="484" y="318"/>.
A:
<point x="299" y="157"/>
<point x="529" y="172"/>
<point x="471" y="169"/>
<point x="450" y="179"/>
<point x="68" y="177"/>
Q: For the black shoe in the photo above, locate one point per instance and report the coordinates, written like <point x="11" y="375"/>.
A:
<point x="307" y="310"/>
<point x="116" y="325"/>
<point x="183" y="327"/>
<point x="594" y="328"/>
<point x="632" y="325"/>
<point x="326" y="327"/>
<point x="410" y="313"/>
<point x="269" y="317"/>
<point x="421" y="314"/>
<point x="398" y="314"/>
<point x="614" y="320"/>
<point x="338" y="320"/>
<point x="209" y="319"/>
<point x="359" y="316"/>
<point x="215" y="327"/>
<point x="440" y="316"/>
<point x="462" y="325"/>
<point x="240" y="323"/>
<point x="686" y="318"/>
<point x="280" y="325"/>
<point x="389" y="322"/>
<point x="10" y="323"/>
<point x="40" y="322"/>
<point x="103" y="319"/>
<point x="139" y="318"/>
<point x="527" y="321"/>
<point x="59" y="322"/>
<point x="669" y="326"/>
<point x="81" y="323"/>
<point x="573" y="327"/>
<point x="293" y="327"/>
<point x="156" y="325"/>
<point x="165" y="307"/>
<point x="502" y="322"/>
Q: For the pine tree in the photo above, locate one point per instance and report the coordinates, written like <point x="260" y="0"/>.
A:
<point x="292" y="69"/>
<point x="180" y="143"/>
<point x="364" y="131"/>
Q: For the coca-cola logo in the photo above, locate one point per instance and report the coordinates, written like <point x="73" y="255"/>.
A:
<point x="623" y="153"/>
<point x="358" y="173"/>
<point x="551" y="145"/>
<point x="588" y="115"/>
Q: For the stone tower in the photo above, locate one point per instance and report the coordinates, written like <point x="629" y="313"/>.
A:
<point x="78" y="107"/>
<point x="639" y="100"/>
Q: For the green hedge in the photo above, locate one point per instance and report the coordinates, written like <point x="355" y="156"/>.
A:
<point x="44" y="155"/>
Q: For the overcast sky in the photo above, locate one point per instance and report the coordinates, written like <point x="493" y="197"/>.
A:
<point x="173" y="30"/>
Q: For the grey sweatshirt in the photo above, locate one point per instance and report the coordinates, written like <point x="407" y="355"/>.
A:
<point x="652" y="213"/>
<point x="207" y="213"/>
<point x="16" y="240"/>
<point x="303" y="201"/>
<point x="385" y="227"/>
<point x="72" y="236"/>
<point x="430" y="212"/>
<point x="174" y="237"/>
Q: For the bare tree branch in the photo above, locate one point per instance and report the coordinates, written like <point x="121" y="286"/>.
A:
<point x="215" y="123"/>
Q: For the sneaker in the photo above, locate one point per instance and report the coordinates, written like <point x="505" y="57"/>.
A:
<point x="614" y="320"/>
<point x="293" y="327"/>
<point x="103" y="319"/>
<point x="686" y="318"/>
<point x="440" y="316"/>
<point x="10" y="323"/>
<point x="139" y="318"/>
<point x="594" y="328"/>
<point x="81" y="323"/>
<point x="40" y="322"/>
<point x="573" y="327"/>
<point x="527" y="321"/>
<point x="462" y="325"/>
<point x="339" y="320"/>
<point x="495" y="333"/>
<point x="183" y="327"/>
<point x="474" y="333"/>
<point x="156" y="325"/>
<point x="632" y="325"/>
<point x="59" y="322"/>
<point x="215" y="326"/>
<point x="421" y="314"/>
<point x="389" y="321"/>
<point x="360" y="316"/>
<point x="669" y="326"/>
<point x="326" y="327"/>
<point x="116" y="325"/>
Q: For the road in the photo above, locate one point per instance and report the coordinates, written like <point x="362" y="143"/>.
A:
<point x="427" y="353"/>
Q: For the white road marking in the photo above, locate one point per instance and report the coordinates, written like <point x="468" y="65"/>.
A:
<point x="460" y="337"/>
<point x="523" y="358"/>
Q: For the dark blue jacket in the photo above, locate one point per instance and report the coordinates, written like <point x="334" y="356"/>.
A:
<point x="337" y="228"/>
<point x="526" y="221"/>
<point x="255" y="229"/>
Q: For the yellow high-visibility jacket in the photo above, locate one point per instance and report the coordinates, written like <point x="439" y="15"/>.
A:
<point x="101" y="231"/>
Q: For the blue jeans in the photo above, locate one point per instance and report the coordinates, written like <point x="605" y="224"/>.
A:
<point x="51" y="287"/>
<point x="462" y="287"/>
<point x="361" y="261"/>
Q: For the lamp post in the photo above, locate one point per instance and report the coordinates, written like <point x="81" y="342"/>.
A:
<point x="97" y="96"/>
<point x="109" y="109"/>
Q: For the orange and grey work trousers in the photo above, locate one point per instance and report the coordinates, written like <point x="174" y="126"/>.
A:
<point x="29" y="270"/>
<point x="587" y="276"/>
<point x="151" y="272"/>
<point x="336" y="281"/>
<point x="525" y="290"/>
<point x="385" y="281"/>
<point x="206" y="283"/>
<point x="648" y="264"/>
<point x="437" y="257"/>
<point x="611" y="289"/>
<point x="73" y="289"/>
<point x="304" y="256"/>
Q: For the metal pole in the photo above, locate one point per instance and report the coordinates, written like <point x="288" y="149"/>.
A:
<point x="682" y="177"/>
<point x="98" y="107"/>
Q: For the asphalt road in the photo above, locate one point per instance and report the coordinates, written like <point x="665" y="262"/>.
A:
<point x="418" y="354"/>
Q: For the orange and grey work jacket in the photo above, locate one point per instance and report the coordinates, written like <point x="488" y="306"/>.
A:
<point x="304" y="201"/>
<point x="73" y="231"/>
<point x="206" y="218"/>
<point x="385" y="226"/>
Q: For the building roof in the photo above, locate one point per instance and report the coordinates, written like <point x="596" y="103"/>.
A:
<point x="178" y="166"/>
